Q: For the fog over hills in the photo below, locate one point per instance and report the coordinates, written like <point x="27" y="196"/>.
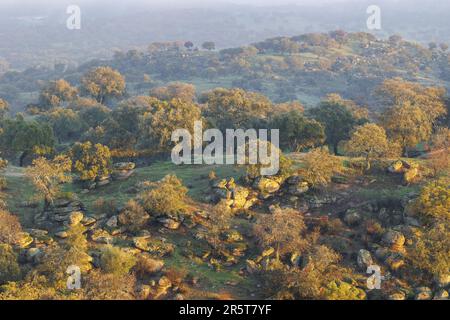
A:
<point x="34" y="32"/>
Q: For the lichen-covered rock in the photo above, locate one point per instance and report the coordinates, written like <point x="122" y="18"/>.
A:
<point x="101" y="236"/>
<point x="395" y="240"/>
<point x="398" y="295"/>
<point x="24" y="240"/>
<point x="266" y="185"/>
<point x="364" y="259"/>
<point x="75" y="218"/>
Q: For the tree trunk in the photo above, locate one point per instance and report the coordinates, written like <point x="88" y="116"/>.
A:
<point x="22" y="158"/>
<point x="367" y="163"/>
<point x="335" y="149"/>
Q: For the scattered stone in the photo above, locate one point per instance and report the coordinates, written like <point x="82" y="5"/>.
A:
<point x="24" y="240"/>
<point x="101" y="236"/>
<point x="398" y="295"/>
<point x="266" y="185"/>
<point x="75" y="218"/>
<point x="62" y="234"/>
<point x="170" y="223"/>
<point x="112" y="222"/>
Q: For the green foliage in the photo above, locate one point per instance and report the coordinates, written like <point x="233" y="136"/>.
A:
<point x="339" y="290"/>
<point x="24" y="136"/>
<point x="66" y="123"/>
<point x="116" y="261"/>
<point x="9" y="267"/>
<point x="337" y="119"/>
<point x="297" y="132"/>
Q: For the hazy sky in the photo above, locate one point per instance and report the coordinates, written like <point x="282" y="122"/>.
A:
<point x="170" y="2"/>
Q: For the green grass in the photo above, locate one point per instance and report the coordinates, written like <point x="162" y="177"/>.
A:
<point x="195" y="177"/>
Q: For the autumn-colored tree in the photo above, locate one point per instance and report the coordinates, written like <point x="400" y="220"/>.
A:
<point x="48" y="175"/>
<point x="175" y="90"/>
<point x="439" y="157"/>
<point x="434" y="201"/>
<point x="320" y="266"/>
<point x="319" y="166"/>
<point x="10" y="228"/>
<point x="407" y="125"/>
<point x="90" y="161"/>
<point x="157" y="125"/>
<point x="398" y="92"/>
<point x="55" y="93"/>
<point x="235" y="108"/>
<point x="368" y="141"/>
<point x="102" y="83"/>
<point x="297" y="132"/>
<point x="283" y="230"/>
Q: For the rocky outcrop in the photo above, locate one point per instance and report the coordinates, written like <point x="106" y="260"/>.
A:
<point x="123" y="170"/>
<point x="236" y="197"/>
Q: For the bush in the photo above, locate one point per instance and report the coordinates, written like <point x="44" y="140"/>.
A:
<point x="145" y="265"/>
<point x="339" y="290"/>
<point x="133" y="216"/>
<point x="434" y="200"/>
<point x="319" y="166"/>
<point x="10" y="228"/>
<point x="9" y="268"/>
<point x="103" y="206"/>
<point x="167" y="197"/>
<point x="431" y="251"/>
<point x="116" y="261"/>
